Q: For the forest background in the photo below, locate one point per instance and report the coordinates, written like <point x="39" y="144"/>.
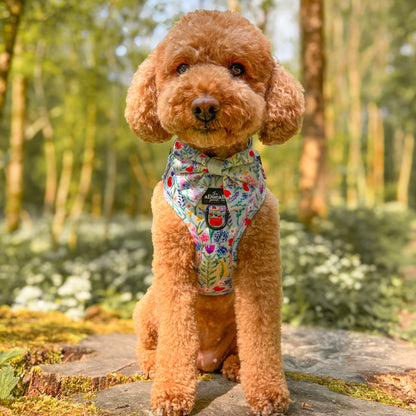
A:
<point x="76" y="183"/>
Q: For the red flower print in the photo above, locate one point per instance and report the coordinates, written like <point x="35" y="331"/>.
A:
<point x="227" y="193"/>
<point x="230" y="241"/>
<point x="245" y="187"/>
<point x="251" y="153"/>
<point x="247" y="221"/>
<point x="170" y="181"/>
<point x="178" y="145"/>
<point x="190" y="168"/>
<point x="218" y="288"/>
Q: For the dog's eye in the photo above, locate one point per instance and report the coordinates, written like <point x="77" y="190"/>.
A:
<point x="182" y="68"/>
<point x="237" y="69"/>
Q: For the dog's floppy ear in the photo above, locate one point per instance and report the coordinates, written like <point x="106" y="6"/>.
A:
<point x="141" y="105"/>
<point x="285" y="106"/>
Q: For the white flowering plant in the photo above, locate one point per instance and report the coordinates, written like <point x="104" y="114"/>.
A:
<point x="113" y="272"/>
<point x="342" y="273"/>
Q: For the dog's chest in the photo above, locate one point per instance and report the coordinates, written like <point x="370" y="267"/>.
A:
<point x="216" y="200"/>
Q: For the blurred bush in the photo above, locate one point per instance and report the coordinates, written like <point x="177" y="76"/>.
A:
<point x="113" y="272"/>
<point x="342" y="273"/>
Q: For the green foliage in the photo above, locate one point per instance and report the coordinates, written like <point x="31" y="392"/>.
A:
<point x="379" y="234"/>
<point x="7" y="356"/>
<point x="8" y="380"/>
<point x="344" y="274"/>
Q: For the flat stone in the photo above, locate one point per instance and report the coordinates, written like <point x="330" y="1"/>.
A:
<point x="351" y="356"/>
<point x="339" y="354"/>
<point x="220" y="397"/>
<point x="112" y="353"/>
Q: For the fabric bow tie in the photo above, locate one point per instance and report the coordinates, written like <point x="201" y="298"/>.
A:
<point x="194" y="173"/>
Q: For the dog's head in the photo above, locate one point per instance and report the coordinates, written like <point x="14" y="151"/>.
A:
<point x="213" y="82"/>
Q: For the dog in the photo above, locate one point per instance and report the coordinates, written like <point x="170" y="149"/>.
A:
<point x="215" y="301"/>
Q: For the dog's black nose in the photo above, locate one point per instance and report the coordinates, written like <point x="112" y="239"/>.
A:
<point x="205" y="108"/>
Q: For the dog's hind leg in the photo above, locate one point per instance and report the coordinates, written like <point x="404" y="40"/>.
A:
<point x="145" y="327"/>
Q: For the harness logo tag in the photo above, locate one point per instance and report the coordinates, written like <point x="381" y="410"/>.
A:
<point x="214" y="196"/>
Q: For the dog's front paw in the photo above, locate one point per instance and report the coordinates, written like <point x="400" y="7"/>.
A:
<point x="271" y="399"/>
<point x="172" y="399"/>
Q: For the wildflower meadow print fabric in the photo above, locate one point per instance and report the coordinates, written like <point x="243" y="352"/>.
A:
<point x="216" y="199"/>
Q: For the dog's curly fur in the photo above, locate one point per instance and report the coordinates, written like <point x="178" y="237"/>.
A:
<point x="179" y="330"/>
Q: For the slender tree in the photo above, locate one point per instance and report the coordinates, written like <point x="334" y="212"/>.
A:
<point x="13" y="13"/>
<point x="47" y="130"/>
<point x="313" y="199"/>
<point x="14" y="186"/>
<point x="405" y="170"/>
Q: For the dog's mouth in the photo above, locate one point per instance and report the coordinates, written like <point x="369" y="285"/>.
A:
<point x="205" y="130"/>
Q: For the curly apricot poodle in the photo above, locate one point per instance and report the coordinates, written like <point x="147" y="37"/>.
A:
<point x="215" y="302"/>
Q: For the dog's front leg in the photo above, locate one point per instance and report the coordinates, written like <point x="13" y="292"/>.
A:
<point x="175" y="291"/>
<point x="258" y="301"/>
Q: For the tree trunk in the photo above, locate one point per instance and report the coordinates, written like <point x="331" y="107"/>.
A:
<point x="47" y="131"/>
<point x="64" y="183"/>
<point x="356" y="181"/>
<point x="62" y="195"/>
<point x="88" y="161"/>
<point x="405" y="170"/>
<point x="14" y="177"/>
<point x="233" y="5"/>
<point x="312" y="164"/>
<point x="111" y="172"/>
<point x="86" y="171"/>
<point x="110" y="180"/>
<point x="337" y="104"/>
<point x="15" y="10"/>
<point x="145" y="182"/>
<point x="375" y="156"/>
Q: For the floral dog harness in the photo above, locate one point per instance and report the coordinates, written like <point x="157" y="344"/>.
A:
<point x="217" y="200"/>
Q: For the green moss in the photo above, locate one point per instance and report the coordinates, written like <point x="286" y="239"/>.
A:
<point x="86" y="385"/>
<point x="64" y="404"/>
<point x="39" y="330"/>
<point x="352" y="389"/>
<point x="205" y="376"/>
<point x="43" y="405"/>
<point x="42" y="334"/>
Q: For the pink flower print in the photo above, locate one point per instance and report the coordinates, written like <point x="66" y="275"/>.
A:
<point x="204" y="237"/>
<point x="210" y="248"/>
